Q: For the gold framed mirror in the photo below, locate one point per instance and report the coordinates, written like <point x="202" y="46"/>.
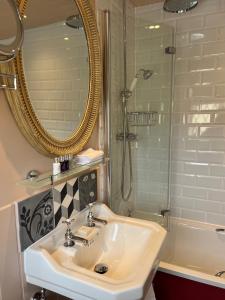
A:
<point x="20" y="101"/>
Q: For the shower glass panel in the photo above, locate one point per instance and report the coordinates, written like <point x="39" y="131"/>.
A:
<point x="153" y="46"/>
<point x="149" y="49"/>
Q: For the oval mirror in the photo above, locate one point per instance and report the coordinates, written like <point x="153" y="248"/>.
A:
<point x="59" y="74"/>
<point x="56" y="65"/>
<point x="12" y="38"/>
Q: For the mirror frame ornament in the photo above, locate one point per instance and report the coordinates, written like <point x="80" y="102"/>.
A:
<point x="22" y="109"/>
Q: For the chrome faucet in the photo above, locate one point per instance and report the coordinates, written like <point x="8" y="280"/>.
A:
<point x="70" y="238"/>
<point x="91" y="219"/>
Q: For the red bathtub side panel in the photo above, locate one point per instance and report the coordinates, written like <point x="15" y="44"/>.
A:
<point x="170" y="287"/>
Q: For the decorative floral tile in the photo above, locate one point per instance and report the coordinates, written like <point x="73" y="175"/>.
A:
<point x="87" y="188"/>
<point x="36" y="218"/>
<point x="39" y="214"/>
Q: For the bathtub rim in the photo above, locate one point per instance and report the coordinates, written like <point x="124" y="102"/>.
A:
<point x="191" y="274"/>
<point x="188" y="273"/>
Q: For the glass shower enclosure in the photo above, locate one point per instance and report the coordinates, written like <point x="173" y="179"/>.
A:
<point x="140" y="113"/>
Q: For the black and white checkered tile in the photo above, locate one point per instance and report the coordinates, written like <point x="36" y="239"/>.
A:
<point x="64" y="199"/>
<point x="74" y="195"/>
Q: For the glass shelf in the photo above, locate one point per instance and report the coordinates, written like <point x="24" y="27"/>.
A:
<point x="47" y="179"/>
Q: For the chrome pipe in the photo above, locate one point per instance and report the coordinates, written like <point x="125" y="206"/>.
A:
<point x="126" y="132"/>
<point x="103" y="18"/>
<point x="107" y="101"/>
<point x="125" y="44"/>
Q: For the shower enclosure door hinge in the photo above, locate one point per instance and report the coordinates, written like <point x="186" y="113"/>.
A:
<point x="170" y="50"/>
<point x="164" y="212"/>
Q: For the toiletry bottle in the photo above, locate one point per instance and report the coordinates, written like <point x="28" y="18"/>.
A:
<point x="56" y="167"/>
<point x="66" y="162"/>
<point x="62" y="164"/>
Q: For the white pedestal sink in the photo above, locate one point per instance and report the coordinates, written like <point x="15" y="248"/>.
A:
<point x="129" y="247"/>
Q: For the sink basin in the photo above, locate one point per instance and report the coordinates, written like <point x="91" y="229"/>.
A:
<point x="129" y="248"/>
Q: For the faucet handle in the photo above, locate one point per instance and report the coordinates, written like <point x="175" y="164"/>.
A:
<point x="90" y="217"/>
<point x="68" y="222"/>
<point x="90" y="205"/>
<point x="68" y="235"/>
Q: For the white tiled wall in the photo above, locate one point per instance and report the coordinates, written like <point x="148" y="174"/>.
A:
<point x="198" y="139"/>
<point x="57" y="74"/>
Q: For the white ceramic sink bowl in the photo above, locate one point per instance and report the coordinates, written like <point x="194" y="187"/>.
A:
<point x="129" y="247"/>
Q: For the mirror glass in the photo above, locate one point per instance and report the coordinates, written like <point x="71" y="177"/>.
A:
<point x="56" y="65"/>
<point x="8" y="25"/>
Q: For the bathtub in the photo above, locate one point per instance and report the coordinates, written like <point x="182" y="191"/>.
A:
<point x="194" y="251"/>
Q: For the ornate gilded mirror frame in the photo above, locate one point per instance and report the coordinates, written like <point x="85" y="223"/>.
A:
<point x="23" y="111"/>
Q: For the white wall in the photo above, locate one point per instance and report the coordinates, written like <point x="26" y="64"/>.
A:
<point x="198" y="140"/>
<point x="17" y="158"/>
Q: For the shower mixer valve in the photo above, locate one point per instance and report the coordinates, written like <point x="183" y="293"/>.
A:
<point x="125" y="94"/>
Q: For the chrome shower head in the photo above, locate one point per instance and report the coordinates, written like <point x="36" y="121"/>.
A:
<point x="179" y="6"/>
<point x="74" y="21"/>
<point x="145" y="74"/>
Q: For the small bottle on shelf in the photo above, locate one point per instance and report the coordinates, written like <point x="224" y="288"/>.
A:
<point x="66" y="162"/>
<point x="56" y="167"/>
<point x="62" y="164"/>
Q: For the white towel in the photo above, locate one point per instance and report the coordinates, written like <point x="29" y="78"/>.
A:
<point x="89" y="155"/>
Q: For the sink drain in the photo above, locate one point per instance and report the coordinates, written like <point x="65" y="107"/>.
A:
<point x="101" y="268"/>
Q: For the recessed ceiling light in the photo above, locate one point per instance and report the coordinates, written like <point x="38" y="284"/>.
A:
<point x="66" y="38"/>
<point x="153" y="27"/>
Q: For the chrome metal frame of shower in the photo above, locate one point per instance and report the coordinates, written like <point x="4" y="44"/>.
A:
<point x="106" y="101"/>
<point x="168" y="209"/>
<point x="103" y="18"/>
<point x="125" y="94"/>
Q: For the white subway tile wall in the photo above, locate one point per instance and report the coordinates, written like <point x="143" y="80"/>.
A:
<point x="57" y="75"/>
<point x="198" y="131"/>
